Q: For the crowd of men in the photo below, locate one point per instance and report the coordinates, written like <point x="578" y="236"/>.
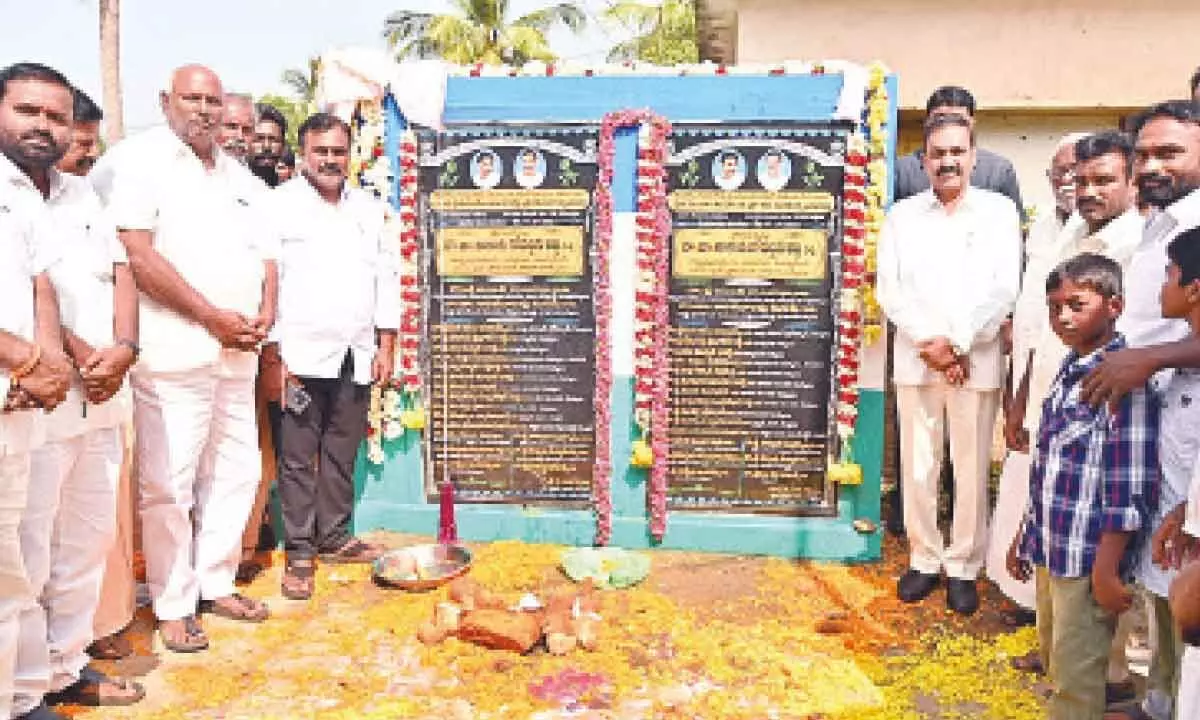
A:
<point x="186" y="299"/>
<point x="172" y="306"/>
<point x="1084" y="336"/>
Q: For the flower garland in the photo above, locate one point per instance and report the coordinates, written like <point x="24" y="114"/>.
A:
<point x="859" y="318"/>
<point x="850" y="307"/>
<point x="396" y="405"/>
<point x="877" y="194"/>
<point x="651" y="381"/>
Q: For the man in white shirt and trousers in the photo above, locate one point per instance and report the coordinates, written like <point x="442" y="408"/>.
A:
<point x="189" y="216"/>
<point x="949" y="268"/>
<point x="34" y="373"/>
<point x="339" y="309"/>
<point x="70" y="514"/>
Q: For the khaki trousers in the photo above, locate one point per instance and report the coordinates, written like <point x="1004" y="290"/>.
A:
<point x="927" y="413"/>
<point x="1076" y="634"/>
<point x="1162" y="683"/>
<point x="118" y="591"/>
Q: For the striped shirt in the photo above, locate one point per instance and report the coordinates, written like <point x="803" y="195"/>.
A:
<point x="1095" y="471"/>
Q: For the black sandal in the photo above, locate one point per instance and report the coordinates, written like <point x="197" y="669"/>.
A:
<point x="353" y="551"/>
<point x="89" y="690"/>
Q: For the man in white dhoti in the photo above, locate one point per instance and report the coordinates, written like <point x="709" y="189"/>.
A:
<point x="70" y="514"/>
<point x="187" y="214"/>
<point x="35" y="115"/>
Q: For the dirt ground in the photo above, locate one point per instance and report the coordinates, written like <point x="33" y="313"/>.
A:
<point x="705" y="636"/>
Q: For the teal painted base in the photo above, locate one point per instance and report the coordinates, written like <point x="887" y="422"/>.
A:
<point x="391" y="497"/>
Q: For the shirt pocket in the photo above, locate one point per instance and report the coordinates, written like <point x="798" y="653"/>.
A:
<point x="1069" y="427"/>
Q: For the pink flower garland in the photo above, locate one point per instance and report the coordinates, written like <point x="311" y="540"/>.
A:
<point x="651" y="380"/>
<point x="850" y="314"/>
<point x="410" y="283"/>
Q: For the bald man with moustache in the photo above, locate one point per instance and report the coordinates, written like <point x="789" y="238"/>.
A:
<point x="188" y="215"/>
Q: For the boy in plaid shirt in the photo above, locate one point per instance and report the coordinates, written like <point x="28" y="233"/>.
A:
<point x="1093" y="488"/>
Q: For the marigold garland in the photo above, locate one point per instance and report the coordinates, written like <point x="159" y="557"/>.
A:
<point x="651" y="379"/>
<point x="878" y="108"/>
<point x="395" y="405"/>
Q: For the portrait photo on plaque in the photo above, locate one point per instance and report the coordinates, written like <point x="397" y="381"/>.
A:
<point x="530" y="168"/>
<point x="486" y="169"/>
<point x="729" y="169"/>
<point x="774" y="170"/>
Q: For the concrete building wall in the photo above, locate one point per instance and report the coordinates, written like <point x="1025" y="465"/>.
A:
<point x="1027" y="138"/>
<point x="1011" y="53"/>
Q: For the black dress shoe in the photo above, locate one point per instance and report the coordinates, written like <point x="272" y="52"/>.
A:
<point x="961" y="596"/>
<point x="915" y="586"/>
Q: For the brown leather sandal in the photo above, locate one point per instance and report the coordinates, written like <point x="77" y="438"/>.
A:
<point x="237" y="607"/>
<point x="353" y="551"/>
<point x="111" y="647"/>
<point x="194" y="639"/>
<point x="299" y="579"/>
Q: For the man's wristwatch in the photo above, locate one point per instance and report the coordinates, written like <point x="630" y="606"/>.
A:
<point x="133" y="347"/>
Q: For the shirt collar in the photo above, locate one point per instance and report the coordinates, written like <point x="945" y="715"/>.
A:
<point x="306" y="187"/>
<point x="933" y="203"/>
<point x="1186" y="210"/>
<point x="1127" y="222"/>
<point x="1081" y="365"/>
<point x="12" y="175"/>
<point x="221" y="160"/>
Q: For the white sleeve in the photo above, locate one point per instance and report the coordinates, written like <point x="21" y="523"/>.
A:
<point x="132" y="198"/>
<point x="387" y="277"/>
<point x="1191" y="521"/>
<point x="899" y="308"/>
<point x="981" y="322"/>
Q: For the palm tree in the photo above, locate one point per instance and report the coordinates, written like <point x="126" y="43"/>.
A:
<point x="304" y="83"/>
<point x="664" y="34"/>
<point x="480" y="32"/>
<point x="110" y="70"/>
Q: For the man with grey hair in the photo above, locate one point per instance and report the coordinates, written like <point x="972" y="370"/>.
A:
<point x="189" y="217"/>
<point x="237" y="126"/>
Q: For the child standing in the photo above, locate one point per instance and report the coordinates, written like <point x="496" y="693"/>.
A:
<point x="1093" y="487"/>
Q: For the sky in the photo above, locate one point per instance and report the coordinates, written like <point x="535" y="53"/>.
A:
<point x="248" y="42"/>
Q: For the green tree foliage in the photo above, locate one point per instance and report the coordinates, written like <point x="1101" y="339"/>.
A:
<point x="480" y="31"/>
<point x="663" y="34"/>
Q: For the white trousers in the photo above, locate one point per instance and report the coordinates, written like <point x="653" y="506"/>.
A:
<point x="68" y="527"/>
<point x="926" y="413"/>
<point x="15" y="591"/>
<point x="1011" y="500"/>
<point x="198" y="470"/>
<point x="1188" y="706"/>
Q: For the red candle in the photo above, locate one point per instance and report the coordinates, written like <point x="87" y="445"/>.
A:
<point x="447" y="528"/>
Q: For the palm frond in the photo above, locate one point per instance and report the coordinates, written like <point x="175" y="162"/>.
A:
<point x="403" y="26"/>
<point x="567" y="13"/>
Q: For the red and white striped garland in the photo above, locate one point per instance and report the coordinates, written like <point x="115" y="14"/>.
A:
<point x="651" y="381"/>
<point x="854" y="274"/>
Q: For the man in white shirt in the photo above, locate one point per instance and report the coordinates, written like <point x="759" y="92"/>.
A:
<point x="70" y="513"/>
<point x="189" y="217"/>
<point x="949" y="267"/>
<point x="339" y="309"/>
<point x="35" y="117"/>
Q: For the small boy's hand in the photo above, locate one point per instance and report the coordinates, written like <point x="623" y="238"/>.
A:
<point x="1016" y="437"/>
<point x="1111" y="594"/>
<point x="1018" y="567"/>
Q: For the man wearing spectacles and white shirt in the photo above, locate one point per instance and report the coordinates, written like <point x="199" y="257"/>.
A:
<point x="339" y="309"/>
<point x="189" y="217"/>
